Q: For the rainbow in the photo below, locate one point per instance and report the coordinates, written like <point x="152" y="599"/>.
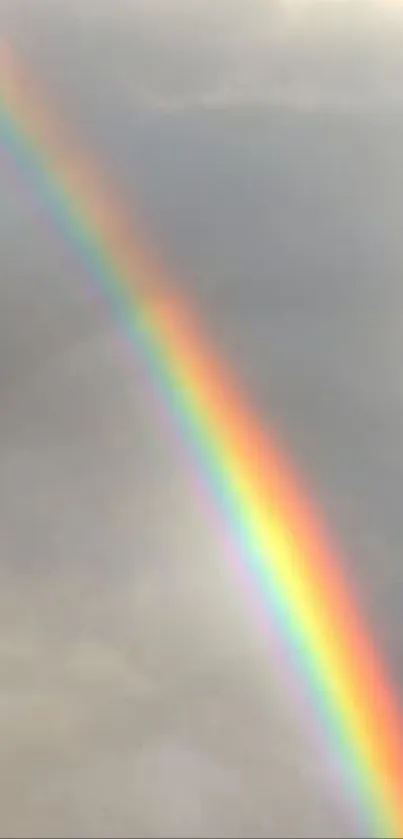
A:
<point x="282" y="549"/>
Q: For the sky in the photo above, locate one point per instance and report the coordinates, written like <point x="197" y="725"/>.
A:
<point x="259" y="144"/>
<point x="310" y="53"/>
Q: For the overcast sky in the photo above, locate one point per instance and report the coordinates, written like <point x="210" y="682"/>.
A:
<point x="310" y="53"/>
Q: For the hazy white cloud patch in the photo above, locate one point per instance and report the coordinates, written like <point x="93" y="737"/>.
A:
<point x="309" y="54"/>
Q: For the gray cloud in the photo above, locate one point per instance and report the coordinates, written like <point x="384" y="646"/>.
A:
<point x="175" y="54"/>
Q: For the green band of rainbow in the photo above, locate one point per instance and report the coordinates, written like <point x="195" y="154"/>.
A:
<point x="281" y="544"/>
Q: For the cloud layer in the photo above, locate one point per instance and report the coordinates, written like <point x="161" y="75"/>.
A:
<point x="214" y="53"/>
